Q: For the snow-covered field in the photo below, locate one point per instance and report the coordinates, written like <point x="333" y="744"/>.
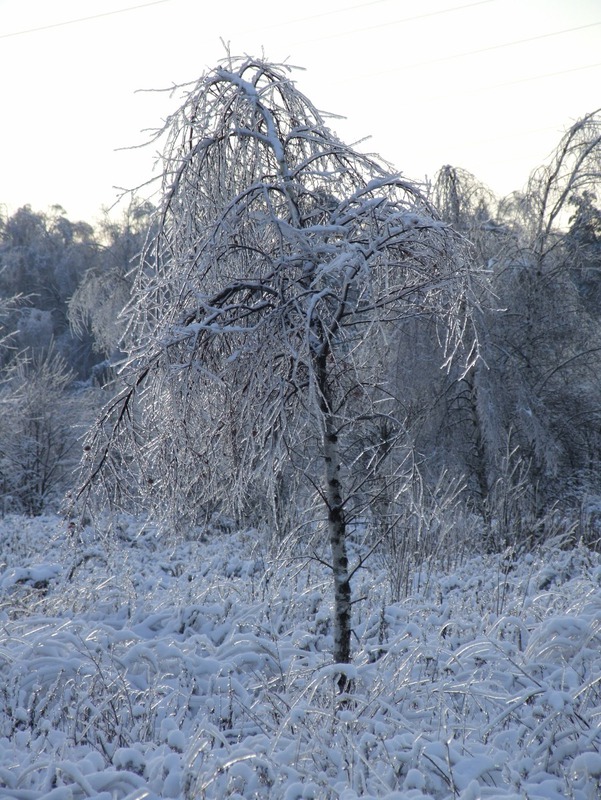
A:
<point x="200" y="669"/>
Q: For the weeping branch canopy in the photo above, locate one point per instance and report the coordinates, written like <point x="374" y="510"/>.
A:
<point x="277" y="245"/>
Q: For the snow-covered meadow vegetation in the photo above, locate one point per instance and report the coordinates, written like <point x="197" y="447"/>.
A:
<point x="140" y="667"/>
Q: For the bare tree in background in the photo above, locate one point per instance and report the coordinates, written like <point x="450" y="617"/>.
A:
<point x="95" y="308"/>
<point x="41" y="423"/>
<point x="263" y="322"/>
<point x="528" y="412"/>
<point x="553" y="342"/>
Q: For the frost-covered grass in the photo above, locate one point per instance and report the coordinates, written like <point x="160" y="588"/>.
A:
<point x="202" y="669"/>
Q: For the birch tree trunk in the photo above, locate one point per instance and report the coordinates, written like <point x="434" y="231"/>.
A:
<point x="336" y="521"/>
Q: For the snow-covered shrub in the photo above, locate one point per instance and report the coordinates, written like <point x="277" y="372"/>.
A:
<point x="41" y="422"/>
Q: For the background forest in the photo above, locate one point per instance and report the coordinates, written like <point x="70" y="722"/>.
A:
<point x="518" y="435"/>
<point x="63" y="286"/>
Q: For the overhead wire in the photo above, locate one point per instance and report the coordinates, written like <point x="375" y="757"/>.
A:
<point x="501" y="46"/>
<point x="479" y="51"/>
<point x="308" y="18"/>
<point x="81" y="19"/>
<point x="345" y="9"/>
<point x="339" y="34"/>
<point x="263" y="27"/>
<point x="534" y="78"/>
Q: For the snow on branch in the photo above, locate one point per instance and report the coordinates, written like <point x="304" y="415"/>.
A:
<point x="270" y="297"/>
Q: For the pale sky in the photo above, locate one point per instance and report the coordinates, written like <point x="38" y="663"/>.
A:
<point x="485" y="85"/>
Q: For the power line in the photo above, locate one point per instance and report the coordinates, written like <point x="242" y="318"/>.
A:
<point x="366" y="5"/>
<point x="263" y="27"/>
<point x="517" y="81"/>
<point x="393" y="22"/>
<point x="503" y="45"/>
<point x="469" y="53"/>
<point x="81" y="19"/>
<point x="318" y="16"/>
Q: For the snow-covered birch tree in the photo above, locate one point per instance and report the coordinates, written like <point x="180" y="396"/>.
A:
<point x="263" y="322"/>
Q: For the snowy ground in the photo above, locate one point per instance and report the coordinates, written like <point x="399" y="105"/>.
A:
<point x="201" y="669"/>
